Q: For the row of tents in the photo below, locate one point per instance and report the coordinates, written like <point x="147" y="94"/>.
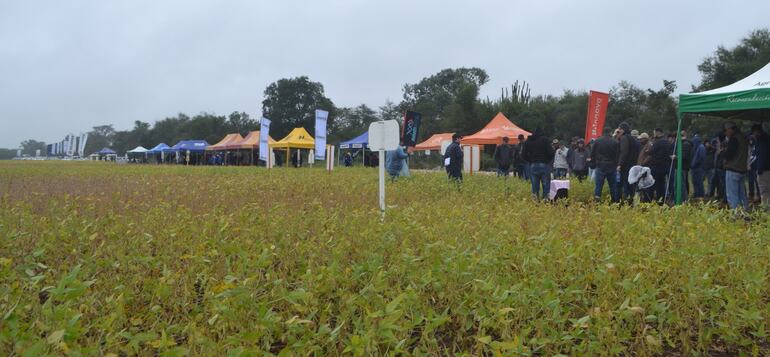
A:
<point x="500" y="126"/>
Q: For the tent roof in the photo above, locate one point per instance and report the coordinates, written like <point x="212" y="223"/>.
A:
<point x="139" y="149"/>
<point x="494" y="132"/>
<point x="251" y="141"/>
<point x="222" y="144"/>
<point x="356" y="143"/>
<point x="162" y="147"/>
<point x="748" y="98"/>
<point x="191" y="145"/>
<point x="298" y="138"/>
<point x="106" y="151"/>
<point x="434" y="142"/>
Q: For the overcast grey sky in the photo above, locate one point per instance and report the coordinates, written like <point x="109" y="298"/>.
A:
<point x="66" y="66"/>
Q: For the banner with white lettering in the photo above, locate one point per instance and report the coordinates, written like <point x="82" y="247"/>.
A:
<point x="597" y="112"/>
<point x="264" y="139"/>
<point x="320" y="133"/>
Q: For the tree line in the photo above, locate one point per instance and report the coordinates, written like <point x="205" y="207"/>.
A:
<point x="449" y="102"/>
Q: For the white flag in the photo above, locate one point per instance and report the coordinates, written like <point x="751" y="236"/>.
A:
<point x="321" y="117"/>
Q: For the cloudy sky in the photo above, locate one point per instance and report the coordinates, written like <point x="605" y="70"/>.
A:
<point x="66" y="66"/>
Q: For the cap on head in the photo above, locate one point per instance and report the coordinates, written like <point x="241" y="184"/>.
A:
<point x="644" y="136"/>
<point x="635" y="133"/>
<point x="555" y="141"/>
<point x="455" y="136"/>
<point x="625" y="127"/>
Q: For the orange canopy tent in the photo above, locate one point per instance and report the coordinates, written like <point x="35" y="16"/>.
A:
<point x="494" y="132"/>
<point x="251" y="141"/>
<point x="222" y="144"/>
<point x="434" y="142"/>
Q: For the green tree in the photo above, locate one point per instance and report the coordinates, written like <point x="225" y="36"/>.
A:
<point x="433" y="96"/>
<point x="351" y="122"/>
<point x="239" y="122"/>
<point x="99" y="137"/>
<point x="291" y="103"/>
<point x="29" y="147"/>
<point x="727" y="66"/>
<point x="7" y="154"/>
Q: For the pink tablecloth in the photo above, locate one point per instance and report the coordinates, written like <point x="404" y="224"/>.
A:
<point x="557" y="185"/>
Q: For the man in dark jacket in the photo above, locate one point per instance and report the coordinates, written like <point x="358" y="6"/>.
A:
<point x="522" y="166"/>
<point x="578" y="160"/>
<point x="763" y="163"/>
<point x="708" y="166"/>
<point x="736" y="165"/>
<point x="453" y="159"/>
<point x="629" y="153"/>
<point x="697" y="167"/>
<point x="605" y="156"/>
<point x="660" y="164"/>
<point x="504" y="156"/>
<point x="538" y="152"/>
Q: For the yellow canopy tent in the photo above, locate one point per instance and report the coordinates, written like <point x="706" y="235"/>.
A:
<point x="298" y="138"/>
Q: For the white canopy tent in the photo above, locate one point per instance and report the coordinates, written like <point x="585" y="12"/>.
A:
<point x="139" y="151"/>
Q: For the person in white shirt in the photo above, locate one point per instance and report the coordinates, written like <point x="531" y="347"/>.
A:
<point x="560" y="164"/>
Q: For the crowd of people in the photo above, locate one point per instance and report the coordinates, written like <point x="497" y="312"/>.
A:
<point x="731" y="167"/>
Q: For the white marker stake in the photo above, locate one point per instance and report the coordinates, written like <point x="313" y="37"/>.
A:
<point x="382" y="181"/>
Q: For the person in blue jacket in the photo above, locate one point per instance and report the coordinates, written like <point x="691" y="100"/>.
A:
<point x="394" y="161"/>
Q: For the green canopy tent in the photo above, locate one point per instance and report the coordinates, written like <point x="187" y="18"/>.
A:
<point x="747" y="99"/>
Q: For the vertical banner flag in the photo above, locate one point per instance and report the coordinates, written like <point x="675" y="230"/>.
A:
<point x="83" y="140"/>
<point x="264" y="137"/>
<point x="411" y="128"/>
<point x="597" y="112"/>
<point x="320" y="133"/>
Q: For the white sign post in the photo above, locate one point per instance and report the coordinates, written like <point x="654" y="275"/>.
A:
<point x="329" y="157"/>
<point x="383" y="135"/>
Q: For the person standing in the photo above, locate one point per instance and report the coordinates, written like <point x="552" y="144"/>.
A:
<point x="394" y="161"/>
<point x="629" y="153"/>
<point x="578" y="160"/>
<point x="752" y="174"/>
<point x="605" y="155"/>
<point x="719" y="167"/>
<point x="591" y="163"/>
<point x="560" y="164"/>
<point x="453" y="159"/>
<point x="708" y="166"/>
<point x="503" y="156"/>
<point x="538" y="152"/>
<point x="762" y="140"/>
<point x="522" y="166"/>
<point x="660" y="163"/>
<point x="645" y="147"/>
<point x="687" y="152"/>
<point x="696" y="167"/>
<point x="736" y="157"/>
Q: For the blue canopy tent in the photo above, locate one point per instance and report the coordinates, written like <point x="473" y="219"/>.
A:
<point x="360" y="142"/>
<point x="188" y="148"/>
<point x="105" y="154"/>
<point x="160" y="149"/>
